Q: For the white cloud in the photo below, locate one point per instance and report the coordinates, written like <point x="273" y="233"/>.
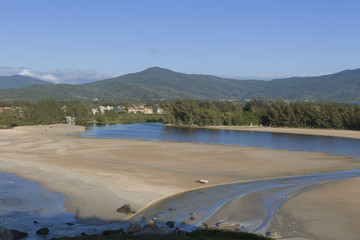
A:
<point x="45" y="77"/>
<point x="70" y="76"/>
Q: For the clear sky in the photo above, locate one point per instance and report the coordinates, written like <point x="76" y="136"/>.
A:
<point x="235" y="38"/>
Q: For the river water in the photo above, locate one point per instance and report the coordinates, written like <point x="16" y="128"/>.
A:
<point x="294" y="142"/>
<point x="22" y="201"/>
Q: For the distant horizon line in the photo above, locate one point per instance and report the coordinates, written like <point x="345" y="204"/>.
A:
<point x="78" y="79"/>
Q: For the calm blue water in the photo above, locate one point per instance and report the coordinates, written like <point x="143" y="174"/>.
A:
<point x="295" y="142"/>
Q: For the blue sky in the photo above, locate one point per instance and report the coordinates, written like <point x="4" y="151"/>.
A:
<point x="86" y="40"/>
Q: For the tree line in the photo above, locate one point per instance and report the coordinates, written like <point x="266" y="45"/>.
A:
<point x="20" y="113"/>
<point x="204" y="113"/>
<point x="278" y="113"/>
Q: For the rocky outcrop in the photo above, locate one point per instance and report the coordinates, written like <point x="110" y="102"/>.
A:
<point x="5" y="234"/>
<point x="170" y="224"/>
<point x="42" y="231"/>
<point x="127" y="209"/>
<point x="150" y="225"/>
<point x="17" y="234"/>
<point x="134" y="228"/>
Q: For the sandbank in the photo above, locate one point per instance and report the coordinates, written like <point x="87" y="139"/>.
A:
<point x="97" y="176"/>
<point x="303" y="131"/>
<point x="327" y="211"/>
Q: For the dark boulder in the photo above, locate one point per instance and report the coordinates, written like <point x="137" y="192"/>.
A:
<point x="42" y="231"/>
<point x="127" y="209"/>
<point x="170" y="224"/>
<point x="5" y="234"/>
<point x="134" y="228"/>
<point x="150" y="225"/>
<point x="17" y="234"/>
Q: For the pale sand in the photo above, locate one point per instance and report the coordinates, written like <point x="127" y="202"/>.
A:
<point x="302" y="131"/>
<point x="328" y="211"/>
<point x="99" y="175"/>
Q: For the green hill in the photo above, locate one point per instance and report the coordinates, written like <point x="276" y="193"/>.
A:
<point x="158" y="83"/>
<point x="18" y="81"/>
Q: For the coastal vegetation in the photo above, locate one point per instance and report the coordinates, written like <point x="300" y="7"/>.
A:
<point x="21" y="113"/>
<point x="277" y="113"/>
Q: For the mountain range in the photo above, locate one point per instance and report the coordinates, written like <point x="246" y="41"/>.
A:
<point x="158" y="83"/>
<point x="19" y="81"/>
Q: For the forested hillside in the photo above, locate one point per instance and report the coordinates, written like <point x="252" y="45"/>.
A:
<point x="18" y="81"/>
<point x="163" y="84"/>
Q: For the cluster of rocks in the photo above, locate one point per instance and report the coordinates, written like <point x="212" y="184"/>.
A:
<point x="12" y="234"/>
<point x="150" y="227"/>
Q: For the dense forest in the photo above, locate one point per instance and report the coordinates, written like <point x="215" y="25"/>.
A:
<point x="278" y="113"/>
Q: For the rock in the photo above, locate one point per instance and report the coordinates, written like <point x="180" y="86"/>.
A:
<point x="134" y="228"/>
<point x="170" y="224"/>
<point x="227" y="225"/>
<point x="69" y="224"/>
<point x="274" y="235"/>
<point x="150" y="225"/>
<point x="42" y="231"/>
<point x="202" y="181"/>
<point x="155" y="219"/>
<point x="127" y="209"/>
<point x="17" y="234"/>
<point x="192" y="218"/>
<point x="5" y="234"/>
<point x="35" y="222"/>
<point x="83" y="234"/>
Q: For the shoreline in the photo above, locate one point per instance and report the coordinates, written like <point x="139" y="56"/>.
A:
<point x="97" y="176"/>
<point x="301" y="131"/>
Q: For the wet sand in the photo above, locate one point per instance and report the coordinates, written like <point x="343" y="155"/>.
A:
<point x="97" y="176"/>
<point x="327" y="211"/>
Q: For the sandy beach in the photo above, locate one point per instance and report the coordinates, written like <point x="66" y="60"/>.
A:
<point x="97" y="176"/>
<point x="302" y="131"/>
